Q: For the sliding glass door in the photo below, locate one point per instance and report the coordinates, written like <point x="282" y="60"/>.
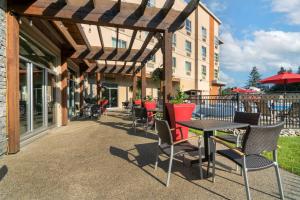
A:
<point x="37" y="97"/>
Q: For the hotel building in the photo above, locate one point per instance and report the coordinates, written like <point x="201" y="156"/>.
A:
<point x="50" y="89"/>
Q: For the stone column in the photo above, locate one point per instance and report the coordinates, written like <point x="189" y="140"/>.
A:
<point x="3" y="131"/>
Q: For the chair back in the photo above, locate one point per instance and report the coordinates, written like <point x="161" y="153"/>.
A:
<point x="163" y="131"/>
<point x="258" y="139"/>
<point x="140" y="113"/>
<point x="245" y="117"/>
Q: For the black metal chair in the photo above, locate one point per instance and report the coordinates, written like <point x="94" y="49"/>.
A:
<point x="170" y="148"/>
<point x="240" y="117"/>
<point x="139" y="117"/>
<point x="257" y="139"/>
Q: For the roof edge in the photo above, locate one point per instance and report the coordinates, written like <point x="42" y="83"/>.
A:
<point x="210" y="12"/>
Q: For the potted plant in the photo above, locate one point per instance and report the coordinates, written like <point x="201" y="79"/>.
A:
<point x="179" y="110"/>
<point x="149" y="104"/>
<point x="137" y="100"/>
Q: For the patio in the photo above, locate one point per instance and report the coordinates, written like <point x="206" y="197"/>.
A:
<point x="105" y="160"/>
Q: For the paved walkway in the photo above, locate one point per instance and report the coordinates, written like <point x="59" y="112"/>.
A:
<point x="106" y="160"/>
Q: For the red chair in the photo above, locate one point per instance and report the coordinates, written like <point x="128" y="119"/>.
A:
<point x="103" y="105"/>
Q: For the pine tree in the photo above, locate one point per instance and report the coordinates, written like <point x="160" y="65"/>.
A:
<point x="254" y="77"/>
<point x="298" y="72"/>
<point x="282" y="70"/>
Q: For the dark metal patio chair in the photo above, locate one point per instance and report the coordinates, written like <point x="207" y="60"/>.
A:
<point x="240" y="117"/>
<point x="257" y="139"/>
<point x="139" y="117"/>
<point x="170" y="148"/>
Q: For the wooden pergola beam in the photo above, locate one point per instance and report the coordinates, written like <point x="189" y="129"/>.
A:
<point x="130" y="16"/>
<point x="110" y="53"/>
<point x="178" y="23"/>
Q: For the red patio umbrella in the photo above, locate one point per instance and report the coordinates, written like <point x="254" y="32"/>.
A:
<point x="242" y="90"/>
<point x="283" y="78"/>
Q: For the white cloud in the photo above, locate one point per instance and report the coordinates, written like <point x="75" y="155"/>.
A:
<point x="289" y="7"/>
<point x="226" y="78"/>
<point x="216" y="6"/>
<point x="268" y="50"/>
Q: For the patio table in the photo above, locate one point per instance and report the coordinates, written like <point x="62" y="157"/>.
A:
<point x="208" y="127"/>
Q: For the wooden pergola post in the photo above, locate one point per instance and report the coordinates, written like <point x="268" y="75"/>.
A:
<point x="134" y="86"/>
<point x="167" y="69"/>
<point x="144" y="83"/>
<point x="98" y="81"/>
<point x="64" y="90"/>
<point x="13" y="112"/>
<point x="81" y="89"/>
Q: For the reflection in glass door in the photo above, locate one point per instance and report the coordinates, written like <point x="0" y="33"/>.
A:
<point x="37" y="97"/>
<point x="23" y="97"/>
<point x="51" y="98"/>
<point x="71" y="97"/>
<point x="111" y="93"/>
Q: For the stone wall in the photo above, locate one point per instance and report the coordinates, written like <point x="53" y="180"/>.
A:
<point x="2" y="76"/>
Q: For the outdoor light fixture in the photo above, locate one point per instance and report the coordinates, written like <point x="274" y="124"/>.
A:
<point x="20" y="21"/>
<point x="30" y="22"/>
<point x="90" y="29"/>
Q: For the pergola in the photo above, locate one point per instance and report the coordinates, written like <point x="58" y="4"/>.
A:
<point x="67" y="16"/>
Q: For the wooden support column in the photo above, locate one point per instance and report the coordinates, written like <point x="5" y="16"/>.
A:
<point x="134" y="85"/>
<point x="144" y="83"/>
<point x="64" y="90"/>
<point x="98" y="81"/>
<point x="167" y="69"/>
<point x="13" y="112"/>
<point x="81" y="88"/>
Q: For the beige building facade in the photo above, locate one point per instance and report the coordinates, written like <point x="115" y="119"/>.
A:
<point x="196" y="49"/>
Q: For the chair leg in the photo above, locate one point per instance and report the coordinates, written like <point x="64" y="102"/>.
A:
<point x="156" y="159"/>
<point x="200" y="162"/>
<point x="170" y="166"/>
<point x="214" y="164"/>
<point x="279" y="181"/>
<point x="246" y="179"/>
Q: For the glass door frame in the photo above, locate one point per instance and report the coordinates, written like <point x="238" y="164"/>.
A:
<point x="30" y="130"/>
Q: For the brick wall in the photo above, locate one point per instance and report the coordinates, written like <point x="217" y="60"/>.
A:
<point x="2" y="75"/>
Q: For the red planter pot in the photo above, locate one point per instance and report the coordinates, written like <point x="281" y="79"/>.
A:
<point x="138" y="102"/>
<point x="179" y="112"/>
<point x="150" y="105"/>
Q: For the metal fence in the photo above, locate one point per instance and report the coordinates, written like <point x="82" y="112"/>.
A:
<point x="272" y="107"/>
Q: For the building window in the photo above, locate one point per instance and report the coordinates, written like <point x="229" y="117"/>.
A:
<point x="173" y="64"/>
<point x="203" y="71"/>
<point x="151" y="3"/>
<point x="152" y="59"/>
<point x="188" y="46"/>
<point x="188" y="68"/>
<point x="216" y="42"/>
<point x="216" y="74"/>
<point x="121" y="43"/>
<point x="174" y="40"/>
<point x="188" y="25"/>
<point x="216" y="58"/>
<point x="204" y="34"/>
<point x="204" y="53"/>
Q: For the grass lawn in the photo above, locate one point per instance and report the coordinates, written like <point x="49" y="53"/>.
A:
<point x="288" y="153"/>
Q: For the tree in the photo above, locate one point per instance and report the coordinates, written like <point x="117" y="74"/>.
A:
<point x="290" y="70"/>
<point x="298" y="72"/>
<point x="282" y="70"/>
<point x="254" y="78"/>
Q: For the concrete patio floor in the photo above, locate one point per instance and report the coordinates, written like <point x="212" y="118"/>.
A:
<point x="105" y="160"/>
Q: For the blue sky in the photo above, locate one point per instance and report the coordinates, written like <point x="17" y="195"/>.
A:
<point x="262" y="33"/>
